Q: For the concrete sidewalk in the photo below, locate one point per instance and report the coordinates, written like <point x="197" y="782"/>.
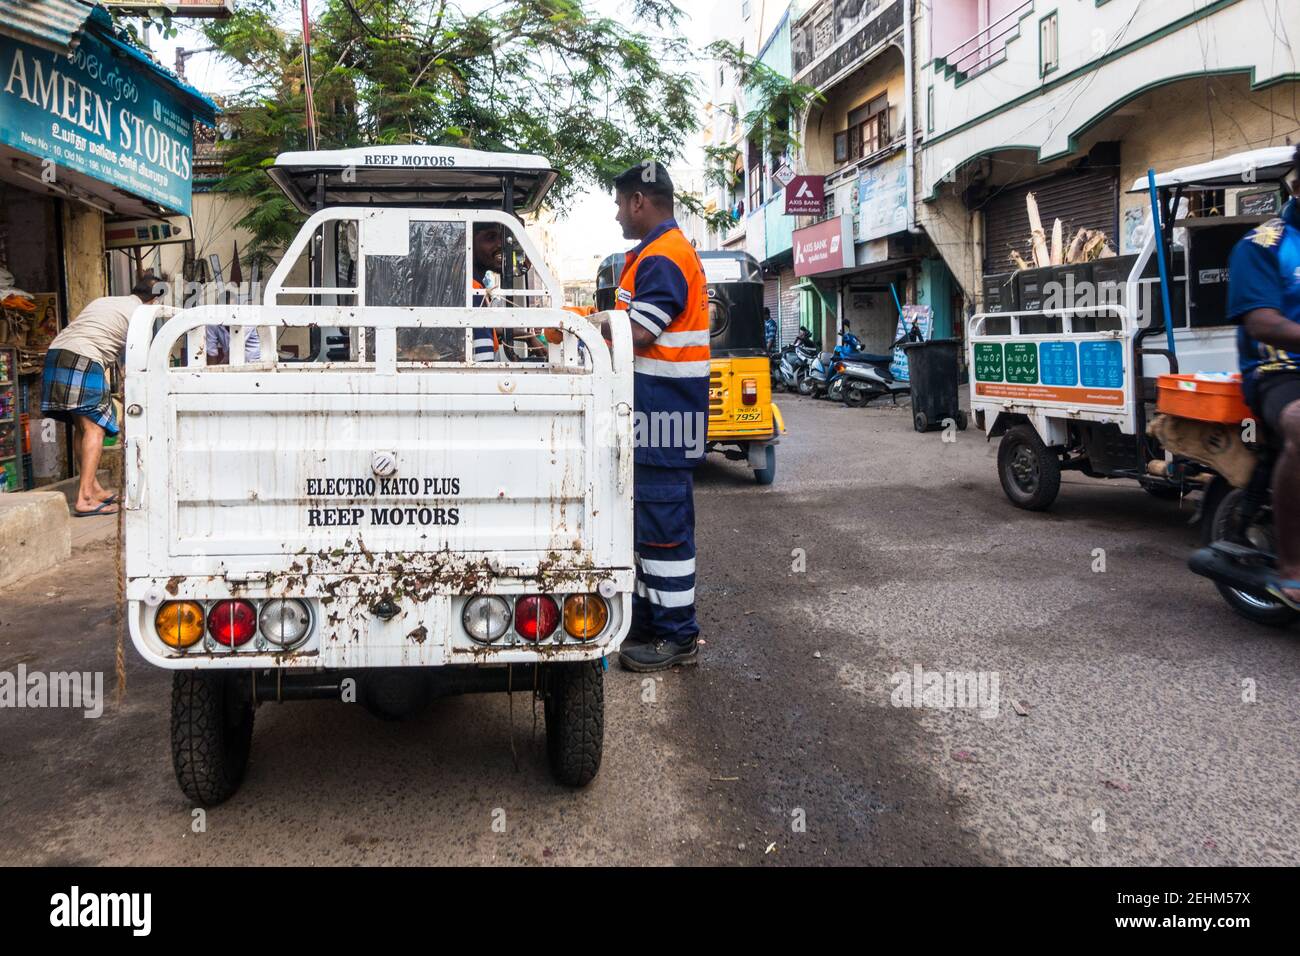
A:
<point x="37" y="531"/>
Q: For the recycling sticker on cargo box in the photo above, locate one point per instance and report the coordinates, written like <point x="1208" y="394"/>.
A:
<point x="1086" y="373"/>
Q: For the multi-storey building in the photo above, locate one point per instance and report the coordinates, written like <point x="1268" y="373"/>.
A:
<point x="855" y="53"/>
<point x="753" y="196"/>
<point x="1073" y="101"/>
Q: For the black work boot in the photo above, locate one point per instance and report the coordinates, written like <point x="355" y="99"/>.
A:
<point x="657" y="655"/>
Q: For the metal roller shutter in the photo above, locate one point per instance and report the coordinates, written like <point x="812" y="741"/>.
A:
<point x="1088" y="200"/>
<point x="772" y="297"/>
<point x="789" y="306"/>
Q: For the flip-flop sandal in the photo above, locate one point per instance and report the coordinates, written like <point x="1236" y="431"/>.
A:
<point x="97" y="511"/>
<point x="1277" y="590"/>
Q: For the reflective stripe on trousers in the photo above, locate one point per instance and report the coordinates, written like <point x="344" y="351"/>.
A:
<point x="663" y="604"/>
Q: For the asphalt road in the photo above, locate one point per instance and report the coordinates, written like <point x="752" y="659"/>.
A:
<point x="1120" y="735"/>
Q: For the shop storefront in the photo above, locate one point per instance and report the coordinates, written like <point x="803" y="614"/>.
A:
<point x="93" y="133"/>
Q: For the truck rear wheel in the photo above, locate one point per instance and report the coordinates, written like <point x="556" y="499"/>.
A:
<point x="1030" y="473"/>
<point x="575" y="721"/>
<point x="212" y="734"/>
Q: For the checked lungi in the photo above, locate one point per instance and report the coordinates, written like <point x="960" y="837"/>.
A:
<point x="75" y="386"/>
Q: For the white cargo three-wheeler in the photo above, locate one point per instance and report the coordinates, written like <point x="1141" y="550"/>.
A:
<point x="366" y="513"/>
<point x="1074" y="387"/>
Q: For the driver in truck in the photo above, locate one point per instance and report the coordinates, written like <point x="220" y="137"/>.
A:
<point x="1264" y="298"/>
<point x="488" y="257"/>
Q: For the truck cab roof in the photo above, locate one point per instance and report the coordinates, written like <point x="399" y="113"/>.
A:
<point x="444" y="177"/>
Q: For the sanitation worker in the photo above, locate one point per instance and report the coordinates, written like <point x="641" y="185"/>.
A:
<point x="663" y="289"/>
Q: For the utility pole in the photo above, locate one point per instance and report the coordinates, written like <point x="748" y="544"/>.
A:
<point x="183" y="54"/>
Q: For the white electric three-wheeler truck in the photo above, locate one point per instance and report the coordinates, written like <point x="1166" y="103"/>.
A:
<point x="1073" y="387"/>
<point x="366" y="513"/>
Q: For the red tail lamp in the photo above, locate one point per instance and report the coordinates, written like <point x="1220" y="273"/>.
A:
<point x="232" y="622"/>
<point x="536" y="617"/>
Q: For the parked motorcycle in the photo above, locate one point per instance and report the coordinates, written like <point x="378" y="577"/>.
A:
<point x="826" y="376"/>
<point x="867" y="377"/>
<point x="1239" y="554"/>
<point x="794" y="362"/>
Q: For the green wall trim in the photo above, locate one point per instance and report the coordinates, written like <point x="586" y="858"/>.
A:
<point x="1092" y="65"/>
<point x="1072" y="141"/>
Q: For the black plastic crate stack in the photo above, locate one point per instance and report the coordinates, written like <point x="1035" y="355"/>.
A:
<point x="1061" y="286"/>
<point x="1000" y="293"/>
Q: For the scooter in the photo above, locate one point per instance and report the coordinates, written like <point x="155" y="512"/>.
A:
<point x="795" y="359"/>
<point x="1239" y="556"/>
<point x="867" y="377"/>
<point x="826" y="376"/>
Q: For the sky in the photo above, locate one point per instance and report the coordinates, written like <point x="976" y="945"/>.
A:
<point x="587" y="230"/>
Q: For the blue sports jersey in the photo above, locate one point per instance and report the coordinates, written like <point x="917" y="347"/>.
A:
<point x="1264" y="273"/>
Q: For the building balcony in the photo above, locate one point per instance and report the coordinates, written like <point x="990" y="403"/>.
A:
<point x="836" y="36"/>
<point x="971" y="36"/>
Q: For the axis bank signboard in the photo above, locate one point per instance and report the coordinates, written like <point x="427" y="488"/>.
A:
<point x="825" y="247"/>
<point x="91" y="112"/>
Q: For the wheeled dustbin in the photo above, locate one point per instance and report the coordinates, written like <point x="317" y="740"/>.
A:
<point x="934" y="373"/>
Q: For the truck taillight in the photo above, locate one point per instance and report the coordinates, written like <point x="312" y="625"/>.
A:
<point x="179" y="623"/>
<point x="749" y="391"/>
<point x="536" y="617"/>
<point x="285" y="623"/>
<point x="232" y="622"/>
<point x="585" y="615"/>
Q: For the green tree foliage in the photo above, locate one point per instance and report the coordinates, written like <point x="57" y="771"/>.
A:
<point x="537" y="76"/>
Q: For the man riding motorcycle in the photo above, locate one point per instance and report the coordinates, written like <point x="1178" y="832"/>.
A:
<point x="1264" y="298"/>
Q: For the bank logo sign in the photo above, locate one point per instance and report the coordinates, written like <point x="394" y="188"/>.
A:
<point x="92" y="112"/>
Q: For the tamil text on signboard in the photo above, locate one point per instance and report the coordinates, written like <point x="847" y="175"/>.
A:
<point x="89" y="111"/>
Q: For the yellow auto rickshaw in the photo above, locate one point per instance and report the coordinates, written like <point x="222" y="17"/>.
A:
<point x="744" y="422"/>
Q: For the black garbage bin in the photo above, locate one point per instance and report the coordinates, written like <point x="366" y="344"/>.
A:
<point x="934" y="372"/>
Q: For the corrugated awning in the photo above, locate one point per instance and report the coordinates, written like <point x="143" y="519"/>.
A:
<point x="205" y="111"/>
<point x="50" y="24"/>
<point x="57" y="25"/>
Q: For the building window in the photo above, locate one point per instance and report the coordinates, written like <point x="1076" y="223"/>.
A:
<point x="929" y="110"/>
<point x="868" y="132"/>
<point x="744" y="10"/>
<point x="1048" y="45"/>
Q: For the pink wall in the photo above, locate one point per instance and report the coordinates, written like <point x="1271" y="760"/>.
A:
<point x="955" y="22"/>
<point x="952" y="22"/>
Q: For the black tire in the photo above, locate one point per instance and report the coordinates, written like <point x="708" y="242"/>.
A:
<point x="575" y="721"/>
<point x="962" y="420"/>
<point x="803" y="384"/>
<point x="855" y="397"/>
<point x="1260" y="608"/>
<point x="767" y="474"/>
<point x="1030" y="473"/>
<point x="920" y="422"/>
<point x="1218" y="489"/>
<point x="212" y="734"/>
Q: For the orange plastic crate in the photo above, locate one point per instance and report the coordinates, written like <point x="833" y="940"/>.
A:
<point x="1189" y="397"/>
